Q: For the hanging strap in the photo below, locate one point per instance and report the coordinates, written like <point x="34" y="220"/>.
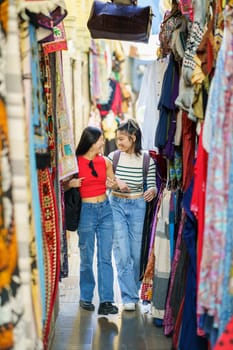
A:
<point x="115" y="159"/>
<point x="125" y="2"/>
<point x="146" y="164"/>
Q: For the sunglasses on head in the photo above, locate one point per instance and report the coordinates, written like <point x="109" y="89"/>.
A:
<point x="93" y="171"/>
<point x="132" y="124"/>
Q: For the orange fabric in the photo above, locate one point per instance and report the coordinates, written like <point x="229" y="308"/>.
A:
<point x="6" y="338"/>
<point x="4" y="15"/>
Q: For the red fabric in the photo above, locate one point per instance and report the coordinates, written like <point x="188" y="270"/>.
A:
<point x="51" y="243"/>
<point x="198" y="197"/>
<point x="117" y="101"/>
<point x="188" y="140"/>
<point x="225" y="341"/>
<point x="177" y="327"/>
<point x="92" y="186"/>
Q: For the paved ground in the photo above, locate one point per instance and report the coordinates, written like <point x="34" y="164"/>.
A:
<point x="77" y="329"/>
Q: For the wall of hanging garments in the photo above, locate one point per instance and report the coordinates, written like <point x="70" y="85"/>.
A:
<point x="36" y="153"/>
<point x="186" y="265"/>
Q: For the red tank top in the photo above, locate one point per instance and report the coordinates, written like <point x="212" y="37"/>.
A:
<point x="92" y="186"/>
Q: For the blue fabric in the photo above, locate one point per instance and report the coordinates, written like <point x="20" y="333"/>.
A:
<point x="128" y="217"/>
<point x="172" y="224"/>
<point x="35" y="191"/>
<point x="96" y="221"/>
<point x="206" y="323"/>
<point x="226" y="306"/>
<point x="188" y="335"/>
<point x="136" y="72"/>
<point x="157" y="18"/>
<point x="169" y="92"/>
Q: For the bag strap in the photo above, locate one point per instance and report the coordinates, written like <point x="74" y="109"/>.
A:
<point x="125" y="2"/>
<point x="115" y="159"/>
<point x="146" y="164"/>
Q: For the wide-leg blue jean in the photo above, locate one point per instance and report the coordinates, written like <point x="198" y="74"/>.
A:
<point x="96" y="221"/>
<point x="128" y="217"/>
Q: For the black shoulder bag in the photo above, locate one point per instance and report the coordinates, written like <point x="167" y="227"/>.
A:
<point x="120" y="21"/>
<point x="73" y="204"/>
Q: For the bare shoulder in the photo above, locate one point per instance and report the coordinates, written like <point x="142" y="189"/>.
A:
<point x="107" y="161"/>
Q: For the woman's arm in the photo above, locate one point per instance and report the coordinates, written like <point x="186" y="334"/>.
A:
<point x="151" y="191"/>
<point x="73" y="182"/>
<point x="111" y="181"/>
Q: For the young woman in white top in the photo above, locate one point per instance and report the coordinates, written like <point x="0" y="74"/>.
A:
<point x="128" y="200"/>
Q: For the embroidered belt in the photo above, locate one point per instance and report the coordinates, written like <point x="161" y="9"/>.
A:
<point x="127" y="196"/>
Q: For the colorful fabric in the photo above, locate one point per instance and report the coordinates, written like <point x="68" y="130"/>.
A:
<point x="57" y="41"/>
<point x="225" y="341"/>
<point x="169" y="319"/>
<point x="35" y="244"/>
<point x="8" y="244"/>
<point x="47" y="87"/>
<point x="147" y="281"/>
<point x="10" y="311"/>
<point x="162" y="258"/>
<point x="217" y="190"/>
<point x="25" y="333"/>
<point x="67" y="162"/>
<point x="51" y="245"/>
<point x="200" y="8"/>
<point x="38" y="103"/>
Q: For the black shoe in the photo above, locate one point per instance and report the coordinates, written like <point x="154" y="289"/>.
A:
<point x="107" y="308"/>
<point x="87" y="305"/>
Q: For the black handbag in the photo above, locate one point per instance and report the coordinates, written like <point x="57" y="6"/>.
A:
<point x="73" y="204"/>
<point x="117" y="21"/>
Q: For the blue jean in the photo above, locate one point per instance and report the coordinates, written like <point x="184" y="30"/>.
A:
<point x="128" y="217"/>
<point x="96" y="221"/>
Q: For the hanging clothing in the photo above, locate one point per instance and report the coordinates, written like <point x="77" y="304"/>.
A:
<point x="65" y="142"/>
<point x="198" y="196"/>
<point x="27" y="334"/>
<point x="188" y="334"/>
<point x="188" y="149"/>
<point x="176" y="289"/>
<point x="217" y="190"/>
<point x="148" y="99"/>
<point x="162" y="258"/>
<point x="165" y="131"/>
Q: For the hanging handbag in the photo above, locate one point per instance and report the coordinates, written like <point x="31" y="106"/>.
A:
<point x="73" y="204"/>
<point x="117" y="21"/>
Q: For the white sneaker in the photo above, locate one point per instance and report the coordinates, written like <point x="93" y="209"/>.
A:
<point x="129" y="307"/>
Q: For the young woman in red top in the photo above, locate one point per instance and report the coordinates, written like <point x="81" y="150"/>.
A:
<point x="96" y="221"/>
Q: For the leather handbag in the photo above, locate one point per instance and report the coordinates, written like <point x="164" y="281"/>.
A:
<point x="117" y="21"/>
<point x="73" y="205"/>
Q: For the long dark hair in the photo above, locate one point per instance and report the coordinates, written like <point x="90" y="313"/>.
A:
<point x="90" y="135"/>
<point x="131" y="128"/>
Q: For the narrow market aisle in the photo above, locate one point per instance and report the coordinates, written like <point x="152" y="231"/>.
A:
<point x="78" y="329"/>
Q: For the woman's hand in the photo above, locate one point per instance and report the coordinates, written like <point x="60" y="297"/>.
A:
<point x="122" y="185"/>
<point x="75" y="182"/>
<point x="111" y="183"/>
<point x="150" y="194"/>
<point x="117" y="184"/>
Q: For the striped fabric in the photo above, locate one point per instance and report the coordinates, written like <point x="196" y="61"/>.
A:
<point x="130" y="170"/>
